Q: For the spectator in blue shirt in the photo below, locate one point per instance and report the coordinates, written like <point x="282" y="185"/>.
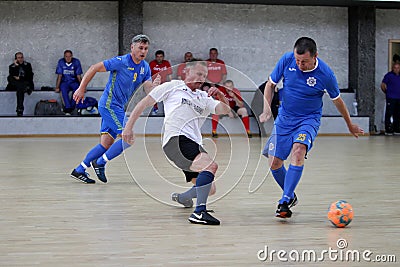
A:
<point x="69" y="77"/>
<point x="391" y="87"/>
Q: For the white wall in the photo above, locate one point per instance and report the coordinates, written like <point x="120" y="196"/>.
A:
<point x="43" y="30"/>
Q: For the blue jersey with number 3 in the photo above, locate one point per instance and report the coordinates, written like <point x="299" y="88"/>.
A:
<point x="125" y="77"/>
<point x="303" y="91"/>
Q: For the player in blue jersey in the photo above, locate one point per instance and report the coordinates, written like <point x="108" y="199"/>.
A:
<point x="306" y="78"/>
<point x="69" y="71"/>
<point x="127" y="73"/>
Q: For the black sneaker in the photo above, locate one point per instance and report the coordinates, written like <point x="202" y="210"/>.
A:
<point x="203" y="218"/>
<point x="83" y="177"/>
<point x="249" y="135"/>
<point x="283" y="211"/>
<point x="293" y="202"/>
<point x="100" y="171"/>
<point x="214" y="134"/>
<point x="187" y="203"/>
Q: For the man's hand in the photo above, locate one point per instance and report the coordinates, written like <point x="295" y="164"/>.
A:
<point x="128" y="136"/>
<point x="214" y="92"/>
<point x="57" y="90"/>
<point x="265" y="116"/>
<point x="79" y="95"/>
<point x="157" y="80"/>
<point x="355" y="130"/>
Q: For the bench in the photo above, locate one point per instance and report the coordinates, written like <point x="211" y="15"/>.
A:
<point x="8" y="100"/>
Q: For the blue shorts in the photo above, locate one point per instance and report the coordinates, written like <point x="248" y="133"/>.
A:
<point x="280" y="146"/>
<point x="112" y="121"/>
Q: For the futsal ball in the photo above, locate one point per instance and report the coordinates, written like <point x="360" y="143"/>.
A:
<point x="340" y="213"/>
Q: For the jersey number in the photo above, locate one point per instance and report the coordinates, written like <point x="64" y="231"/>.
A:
<point x="134" y="77"/>
<point x="301" y="137"/>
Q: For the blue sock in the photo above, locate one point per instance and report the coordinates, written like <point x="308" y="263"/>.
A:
<point x="292" y="178"/>
<point x="203" y="187"/>
<point x="114" y="151"/>
<point x="189" y="194"/>
<point x="93" y="154"/>
<point x="279" y="175"/>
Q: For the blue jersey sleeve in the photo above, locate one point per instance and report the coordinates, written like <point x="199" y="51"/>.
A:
<point x="148" y="73"/>
<point x="59" y="69"/>
<point x="113" y="63"/>
<point x="78" y="67"/>
<point x="278" y="71"/>
<point x="332" y="86"/>
<point x="386" y="78"/>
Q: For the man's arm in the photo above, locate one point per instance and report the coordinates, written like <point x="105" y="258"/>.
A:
<point x="127" y="134"/>
<point x="268" y="95"/>
<point x="383" y="87"/>
<point x="237" y="97"/>
<point x="223" y="107"/>
<point x="148" y="85"/>
<point x="354" y="129"/>
<point x="79" y="94"/>
<point x="58" y="82"/>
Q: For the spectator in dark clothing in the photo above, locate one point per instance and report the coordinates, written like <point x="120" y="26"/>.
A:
<point x="20" y="79"/>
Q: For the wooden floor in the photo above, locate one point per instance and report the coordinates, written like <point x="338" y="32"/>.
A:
<point x="49" y="219"/>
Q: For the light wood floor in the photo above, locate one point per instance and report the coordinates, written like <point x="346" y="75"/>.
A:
<point x="49" y="219"/>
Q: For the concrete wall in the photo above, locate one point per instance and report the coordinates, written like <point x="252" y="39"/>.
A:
<point x="250" y="38"/>
<point x="43" y="30"/>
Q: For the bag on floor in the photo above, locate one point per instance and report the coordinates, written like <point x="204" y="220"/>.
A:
<point x="88" y="107"/>
<point x="48" y="107"/>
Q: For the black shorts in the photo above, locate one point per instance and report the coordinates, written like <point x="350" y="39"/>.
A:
<point x="235" y="108"/>
<point x="182" y="151"/>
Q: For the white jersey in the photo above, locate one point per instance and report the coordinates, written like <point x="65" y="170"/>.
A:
<point x="185" y="110"/>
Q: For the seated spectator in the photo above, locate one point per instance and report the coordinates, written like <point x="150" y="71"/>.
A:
<point x="216" y="68"/>
<point x="69" y="77"/>
<point x="20" y="79"/>
<point x="181" y="72"/>
<point x="162" y="67"/>
<point x="237" y="105"/>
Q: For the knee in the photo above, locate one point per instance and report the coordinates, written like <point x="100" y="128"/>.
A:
<point x="276" y="164"/>
<point x="213" y="167"/>
<point x="298" y="153"/>
<point x="243" y="112"/>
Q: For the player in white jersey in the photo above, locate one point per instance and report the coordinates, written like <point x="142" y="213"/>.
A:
<point x="186" y="108"/>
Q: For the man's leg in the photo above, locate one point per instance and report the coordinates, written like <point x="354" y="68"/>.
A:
<point x="21" y="88"/>
<point x="388" y="116"/>
<point x="242" y="112"/>
<point x="214" y="124"/>
<point x="79" y="172"/>
<point x="65" y="89"/>
<point x="207" y="169"/>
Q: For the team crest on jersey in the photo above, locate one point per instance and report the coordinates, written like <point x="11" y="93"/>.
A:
<point x="141" y="70"/>
<point x="311" y="81"/>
